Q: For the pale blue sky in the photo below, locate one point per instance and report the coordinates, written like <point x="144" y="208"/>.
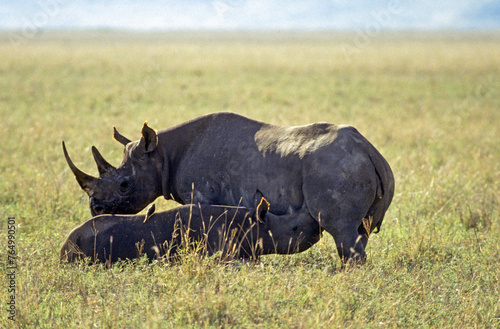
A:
<point x="250" y="14"/>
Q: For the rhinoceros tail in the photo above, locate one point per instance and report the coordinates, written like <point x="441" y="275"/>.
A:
<point x="385" y="188"/>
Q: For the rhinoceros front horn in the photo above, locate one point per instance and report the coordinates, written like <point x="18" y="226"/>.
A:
<point x="102" y="165"/>
<point x="87" y="182"/>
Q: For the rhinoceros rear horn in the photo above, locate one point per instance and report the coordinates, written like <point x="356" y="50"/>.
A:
<point x="102" y="165"/>
<point x="87" y="182"/>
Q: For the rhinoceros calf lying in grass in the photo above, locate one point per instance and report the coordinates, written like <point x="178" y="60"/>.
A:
<point x="235" y="231"/>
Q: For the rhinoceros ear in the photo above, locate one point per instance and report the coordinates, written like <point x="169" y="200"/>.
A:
<point x="120" y="138"/>
<point x="149" y="138"/>
<point x="262" y="209"/>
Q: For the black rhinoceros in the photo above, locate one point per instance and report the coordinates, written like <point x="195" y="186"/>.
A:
<point x="234" y="231"/>
<point x="223" y="158"/>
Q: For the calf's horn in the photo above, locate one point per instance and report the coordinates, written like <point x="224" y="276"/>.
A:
<point x="87" y="182"/>
<point x="102" y="165"/>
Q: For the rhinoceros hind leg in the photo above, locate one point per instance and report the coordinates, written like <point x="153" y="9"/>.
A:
<point x="350" y="247"/>
<point x="343" y="219"/>
<point x="350" y="244"/>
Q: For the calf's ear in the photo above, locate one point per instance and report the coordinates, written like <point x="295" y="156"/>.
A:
<point x="257" y="198"/>
<point x="149" y="139"/>
<point x="150" y="212"/>
<point x="262" y="209"/>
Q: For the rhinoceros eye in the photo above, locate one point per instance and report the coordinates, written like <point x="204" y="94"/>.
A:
<point x="124" y="185"/>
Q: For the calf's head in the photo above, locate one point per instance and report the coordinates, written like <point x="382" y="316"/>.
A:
<point x="128" y="188"/>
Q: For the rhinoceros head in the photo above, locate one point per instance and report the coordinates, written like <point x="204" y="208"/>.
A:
<point x="128" y="188"/>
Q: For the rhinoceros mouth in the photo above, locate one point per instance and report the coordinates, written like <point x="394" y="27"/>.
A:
<point x="101" y="208"/>
<point x="97" y="210"/>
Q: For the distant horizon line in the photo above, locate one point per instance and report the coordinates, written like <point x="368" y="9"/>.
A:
<point x="246" y="29"/>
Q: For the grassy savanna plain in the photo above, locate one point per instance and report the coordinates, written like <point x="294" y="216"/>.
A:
<point x="429" y="102"/>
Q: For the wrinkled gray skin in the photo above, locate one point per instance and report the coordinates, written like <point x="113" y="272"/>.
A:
<point x="223" y="158"/>
<point x="235" y="231"/>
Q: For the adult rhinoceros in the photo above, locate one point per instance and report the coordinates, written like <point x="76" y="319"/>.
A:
<point x="223" y="158"/>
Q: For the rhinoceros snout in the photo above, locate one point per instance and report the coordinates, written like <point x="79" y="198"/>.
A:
<point x="96" y="208"/>
<point x="97" y="211"/>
